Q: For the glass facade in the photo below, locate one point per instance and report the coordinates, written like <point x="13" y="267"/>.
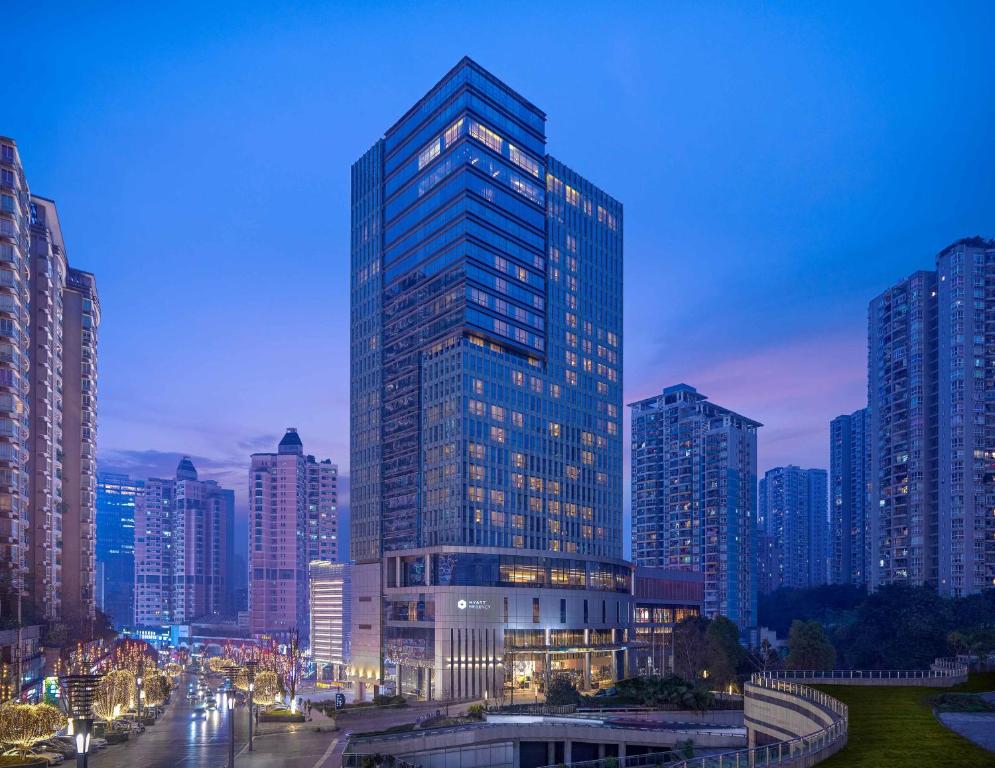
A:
<point x="116" y="545"/>
<point x="486" y="340"/>
<point x="486" y="391"/>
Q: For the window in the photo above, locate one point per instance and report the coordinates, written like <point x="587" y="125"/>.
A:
<point x="522" y="160"/>
<point x="535" y="610"/>
<point x="563" y="610"/>
<point x="486" y="136"/>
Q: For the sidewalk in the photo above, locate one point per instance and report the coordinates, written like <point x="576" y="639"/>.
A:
<point x="319" y="722"/>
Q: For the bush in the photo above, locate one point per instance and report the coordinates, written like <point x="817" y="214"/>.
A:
<point x="561" y="692"/>
<point x="281" y="716"/>
<point x="475" y="711"/>
<point x="388" y="701"/>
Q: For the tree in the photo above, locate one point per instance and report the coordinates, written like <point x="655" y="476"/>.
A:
<point x="157" y="687"/>
<point x="267" y="686"/>
<point x="562" y="691"/>
<point x="690" y="647"/>
<point x="957" y="643"/>
<point x="23" y="724"/>
<point x="832" y="604"/>
<point x="115" y="694"/>
<point x="292" y="668"/>
<point x="897" y="627"/>
<point x="724" y="654"/>
<point x="763" y="658"/>
<point x="808" y="647"/>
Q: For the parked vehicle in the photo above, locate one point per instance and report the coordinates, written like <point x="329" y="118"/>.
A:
<point x="50" y="758"/>
<point x="52" y="745"/>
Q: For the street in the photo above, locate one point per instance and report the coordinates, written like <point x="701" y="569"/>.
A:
<point x="177" y="739"/>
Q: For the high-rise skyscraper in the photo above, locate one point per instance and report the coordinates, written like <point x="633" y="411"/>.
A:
<point x="486" y="389"/>
<point x="184" y="541"/>
<point x="901" y="396"/>
<point x="116" y="546"/>
<point x="966" y="416"/>
<point x="81" y="317"/>
<point x="49" y="315"/>
<point x="294" y="519"/>
<point x="694" y="496"/>
<point x="931" y="364"/>
<point x="322" y="510"/>
<point x="792" y="515"/>
<point x="849" y="475"/>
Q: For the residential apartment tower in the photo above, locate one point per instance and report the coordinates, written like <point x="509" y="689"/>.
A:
<point x="694" y="496"/>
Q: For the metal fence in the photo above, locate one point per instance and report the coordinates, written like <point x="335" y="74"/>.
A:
<point x="941" y="669"/>
<point x="818" y="745"/>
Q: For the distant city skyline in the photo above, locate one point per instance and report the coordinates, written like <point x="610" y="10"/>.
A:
<point x="805" y="189"/>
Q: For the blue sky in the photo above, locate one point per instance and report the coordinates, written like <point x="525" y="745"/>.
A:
<point x="779" y="165"/>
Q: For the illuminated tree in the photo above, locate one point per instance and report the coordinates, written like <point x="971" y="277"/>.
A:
<point x="220" y="665"/>
<point x="291" y="668"/>
<point x="267" y="686"/>
<point x="23" y="724"/>
<point x="156" y="687"/>
<point x="115" y="695"/>
<point x="136" y="656"/>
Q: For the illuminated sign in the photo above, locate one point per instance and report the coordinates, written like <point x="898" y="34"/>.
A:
<point x="474" y="605"/>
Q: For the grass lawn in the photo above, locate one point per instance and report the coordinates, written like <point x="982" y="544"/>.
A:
<point x="896" y="727"/>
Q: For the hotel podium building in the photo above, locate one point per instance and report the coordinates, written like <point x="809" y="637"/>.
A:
<point x="486" y="360"/>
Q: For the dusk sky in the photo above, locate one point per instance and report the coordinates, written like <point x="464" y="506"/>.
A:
<point x="779" y="165"/>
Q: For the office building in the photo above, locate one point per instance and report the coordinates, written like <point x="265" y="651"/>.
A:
<point x="330" y="586"/>
<point x="849" y="514"/>
<point x="49" y="316"/>
<point x="293" y="511"/>
<point x="184" y="541"/>
<point x="486" y="387"/>
<point x="694" y="496"/>
<point x="792" y="514"/>
<point x="115" y="549"/>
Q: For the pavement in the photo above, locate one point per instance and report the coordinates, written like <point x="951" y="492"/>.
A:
<point x="979" y="727"/>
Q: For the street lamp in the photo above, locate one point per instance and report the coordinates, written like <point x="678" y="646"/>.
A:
<point x="231" y="726"/>
<point x="80" y="692"/>
<point x="250" y="667"/>
<point x="138" y="682"/>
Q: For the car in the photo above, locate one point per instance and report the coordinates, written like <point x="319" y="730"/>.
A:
<point x="51" y="745"/>
<point x="50" y="758"/>
<point x="199" y="712"/>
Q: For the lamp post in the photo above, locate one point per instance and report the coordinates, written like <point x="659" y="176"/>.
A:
<point x="231" y="726"/>
<point x="80" y="692"/>
<point x="138" y="682"/>
<point x="250" y="667"/>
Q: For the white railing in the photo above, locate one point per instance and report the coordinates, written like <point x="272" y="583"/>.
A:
<point x="820" y="744"/>
<point x="941" y="669"/>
